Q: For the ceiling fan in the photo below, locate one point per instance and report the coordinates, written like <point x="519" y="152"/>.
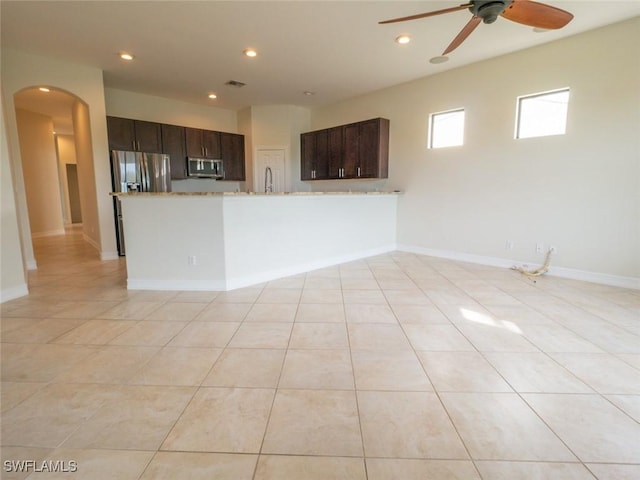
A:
<point x="527" y="12"/>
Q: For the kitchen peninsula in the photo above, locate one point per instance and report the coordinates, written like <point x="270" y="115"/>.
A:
<point x="223" y="241"/>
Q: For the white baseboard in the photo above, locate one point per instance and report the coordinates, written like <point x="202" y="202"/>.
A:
<point x="13" y="293"/>
<point x="175" y="285"/>
<point x="104" y="255"/>
<point x="109" y="256"/>
<point x="574" y="274"/>
<point x="91" y="241"/>
<point x="32" y="264"/>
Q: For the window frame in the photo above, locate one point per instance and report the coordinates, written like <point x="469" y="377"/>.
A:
<point x="520" y="98"/>
<point x="430" y="133"/>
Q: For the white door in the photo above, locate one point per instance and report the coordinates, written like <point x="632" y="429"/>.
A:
<point x="274" y="159"/>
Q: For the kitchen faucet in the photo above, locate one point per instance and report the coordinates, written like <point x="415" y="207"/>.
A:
<point x="268" y="180"/>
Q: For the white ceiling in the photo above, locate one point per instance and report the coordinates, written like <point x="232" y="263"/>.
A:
<point x="336" y="49"/>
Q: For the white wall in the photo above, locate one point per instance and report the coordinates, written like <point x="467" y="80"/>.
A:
<point x="92" y="221"/>
<point x="245" y="128"/>
<point x="579" y="191"/>
<point x="13" y="282"/>
<point x="120" y="103"/>
<point x="40" y="167"/>
<point x="280" y="126"/>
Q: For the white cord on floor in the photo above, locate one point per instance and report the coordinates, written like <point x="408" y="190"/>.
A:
<point x="538" y="271"/>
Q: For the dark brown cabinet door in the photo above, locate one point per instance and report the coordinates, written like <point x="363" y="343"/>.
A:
<point x="374" y="149"/>
<point x="148" y="136"/>
<point x="321" y="167"/>
<point x="336" y="151"/>
<point x="351" y="159"/>
<point x="121" y="133"/>
<point x="193" y="141"/>
<point x="314" y="151"/>
<point x="232" y="149"/>
<point x="202" y="143"/>
<point x="173" y="144"/>
<point x="136" y="135"/>
<point x="211" y="143"/>
<point x="307" y="153"/>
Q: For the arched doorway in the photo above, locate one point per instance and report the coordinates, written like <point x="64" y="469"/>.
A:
<point x="53" y="132"/>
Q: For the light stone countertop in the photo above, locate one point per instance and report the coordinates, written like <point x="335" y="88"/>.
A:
<point x="244" y="194"/>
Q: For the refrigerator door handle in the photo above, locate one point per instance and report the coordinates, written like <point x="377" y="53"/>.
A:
<point x="144" y="174"/>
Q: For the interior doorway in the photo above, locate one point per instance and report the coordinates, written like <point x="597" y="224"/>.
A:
<point x="75" y="209"/>
<point x="275" y="159"/>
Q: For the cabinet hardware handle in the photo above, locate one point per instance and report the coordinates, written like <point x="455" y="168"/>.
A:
<point x="358" y="171"/>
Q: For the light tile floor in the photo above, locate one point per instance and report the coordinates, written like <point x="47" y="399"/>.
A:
<point x="395" y="367"/>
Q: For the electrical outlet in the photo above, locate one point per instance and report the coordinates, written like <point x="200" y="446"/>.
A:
<point x="191" y="260"/>
<point x="553" y="249"/>
<point x="508" y="245"/>
<point x="539" y="247"/>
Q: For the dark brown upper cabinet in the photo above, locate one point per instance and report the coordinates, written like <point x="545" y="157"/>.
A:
<point x="373" y="149"/>
<point x="315" y="155"/>
<point x="136" y="135"/>
<point x="232" y="154"/>
<point x="203" y="143"/>
<point x="179" y="143"/>
<point x="355" y="150"/>
<point x="173" y="144"/>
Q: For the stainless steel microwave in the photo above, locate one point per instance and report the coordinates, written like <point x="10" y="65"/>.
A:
<point x="205" y="168"/>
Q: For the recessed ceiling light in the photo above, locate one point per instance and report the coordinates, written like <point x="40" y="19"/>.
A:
<point x="308" y="93"/>
<point x="540" y="30"/>
<point x="126" y="56"/>
<point x="212" y="96"/>
<point x="403" y="39"/>
<point x="44" y="89"/>
<point x="440" y="59"/>
<point x="250" y="52"/>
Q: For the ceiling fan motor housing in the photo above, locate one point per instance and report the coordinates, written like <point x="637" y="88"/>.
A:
<point x="489" y="10"/>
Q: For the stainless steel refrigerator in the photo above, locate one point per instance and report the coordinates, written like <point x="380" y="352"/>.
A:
<point x="137" y="172"/>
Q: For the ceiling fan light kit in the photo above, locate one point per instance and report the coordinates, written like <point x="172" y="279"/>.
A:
<point x="526" y="12"/>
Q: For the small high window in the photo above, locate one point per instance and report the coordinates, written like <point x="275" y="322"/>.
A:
<point x="446" y="129"/>
<point x="542" y="114"/>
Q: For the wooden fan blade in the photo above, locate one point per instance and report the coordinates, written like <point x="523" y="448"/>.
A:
<point x="537" y="14"/>
<point x="464" y="33"/>
<point x="428" y="14"/>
